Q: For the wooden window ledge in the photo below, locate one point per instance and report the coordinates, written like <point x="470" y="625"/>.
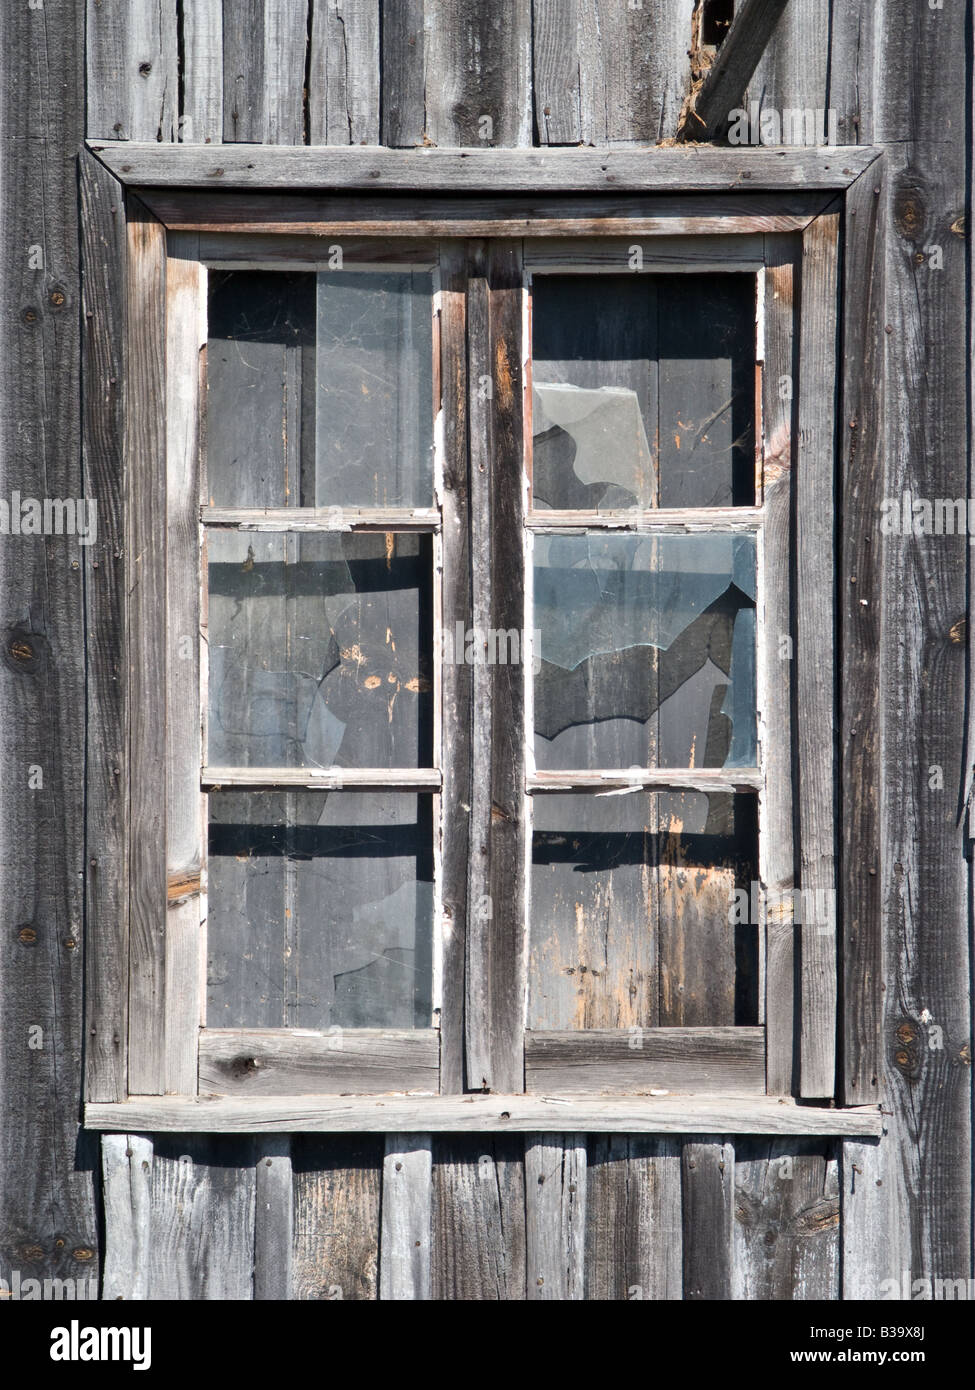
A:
<point x="771" y="1115"/>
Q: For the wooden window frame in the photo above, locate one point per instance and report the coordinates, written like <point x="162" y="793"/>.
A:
<point x="143" y="970"/>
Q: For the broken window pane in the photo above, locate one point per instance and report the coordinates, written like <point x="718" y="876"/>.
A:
<point x="320" y="650"/>
<point x="632" y="921"/>
<point x="644" y="391"/>
<point x="320" y="910"/>
<point x="375" y="389"/>
<point x="320" y="389"/>
<point x="647" y="647"/>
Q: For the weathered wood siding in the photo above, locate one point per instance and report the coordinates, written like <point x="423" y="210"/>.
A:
<point x="198" y="1217"/>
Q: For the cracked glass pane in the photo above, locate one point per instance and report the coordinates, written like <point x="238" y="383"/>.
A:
<point x="647" y="651"/>
<point x="374" y="412"/>
<point x="630" y="921"/>
<point x="319" y="650"/>
<point x="320" y="910"/>
<point x="644" y="391"/>
<point x="320" y="389"/>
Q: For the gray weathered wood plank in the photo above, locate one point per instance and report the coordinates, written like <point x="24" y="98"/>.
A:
<point x="555" y="1207"/>
<point x="344" y="75"/>
<point x="735" y="62"/>
<point x="255" y="1062"/>
<point x="793" y="73"/>
<point x="706" y="1060"/>
<point x="133" y="82"/>
<point x="634" y="1228"/>
<point x="273" y="1220"/>
<point x="127" y="1195"/>
<point x="787" y="1221"/>
<point x="815" y="650"/>
<point x="405" y="1243"/>
<point x="668" y="170"/>
<point x="145" y="493"/>
<point x="477" y="72"/>
<point x="478" y="1219"/>
<point x="707" y="1191"/>
<point x="244" y="92"/>
<point x="201" y="119"/>
<point x="103" y="269"/>
<point x="478" y="1113"/>
<point x="337" y="1185"/>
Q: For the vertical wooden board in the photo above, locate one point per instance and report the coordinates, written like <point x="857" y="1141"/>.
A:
<point x="815" y="651"/>
<point x="778" y="850"/>
<point x="403" y="105"/>
<point x="555" y="1217"/>
<point x="856" y="35"/>
<point x="479" y="1219"/>
<point x="787" y="1220"/>
<point x="245" y="94"/>
<point x="337" y="1183"/>
<point x="477" y="78"/>
<point x="607" y="73"/>
<point x="273" y="1219"/>
<point x="126" y="1198"/>
<point x="861" y="555"/>
<point x="201" y="117"/>
<point x="46" y="1166"/>
<point x="879" y="1216"/>
<point x="202" y="1222"/>
<point x="793" y="72"/>
<point x="145" y="491"/>
<point x="133" y="76"/>
<point x="344" y="76"/>
<point x="103" y="262"/>
<point x="707" y="1192"/>
<point x="185" y="849"/>
<point x="496" y="926"/>
<point x="634" y="1235"/>
<point x="285" y="51"/>
<point x="457" y="677"/>
<point x="406" y="1240"/>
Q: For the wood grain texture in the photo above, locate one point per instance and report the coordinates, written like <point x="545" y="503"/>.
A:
<point x="634" y="1228"/>
<point x="482" y="1113"/>
<point x="733" y="66"/>
<point x="787" y="1221"/>
<point x="201" y="117"/>
<point x="478" y="1219"/>
<point x="344" y="75"/>
<point x="273" y="1220"/>
<point x="861" y="551"/>
<point x="555" y="1217"/>
<point x="405" y="1243"/>
<point x="457" y="676"/>
<point x="337" y="1185"/>
<point x="705" y="1060"/>
<point x="145" y="494"/>
<point x="609" y="74"/>
<point x="47" y="1169"/>
<point x="495" y="985"/>
<point x="264" y="44"/>
<point x="707" y="1190"/>
<point x="477" y="72"/>
<point x="241" y="1061"/>
<point x="793" y="72"/>
<point x="668" y="170"/>
<point x="402" y="64"/>
<point x="133" y="79"/>
<point x="127" y="1198"/>
<point x="815" y="651"/>
<point x="185" y="809"/>
<point x="103" y="271"/>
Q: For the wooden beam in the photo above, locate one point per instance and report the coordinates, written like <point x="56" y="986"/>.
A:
<point x="404" y="779"/>
<point x="718" y="1061"/>
<point x="660" y="169"/>
<point x="472" y="1114"/>
<point x="262" y="1062"/>
<point x="704" y="779"/>
<point x="736" y="60"/>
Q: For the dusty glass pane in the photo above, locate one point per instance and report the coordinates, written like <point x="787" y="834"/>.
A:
<point x="647" y="647"/>
<point x="644" y="390"/>
<point x="374" y="410"/>
<point x="320" y="910"/>
<point x="260" y="349"/>
<point x="319" y="650"/>
<point x="630" y="919"/>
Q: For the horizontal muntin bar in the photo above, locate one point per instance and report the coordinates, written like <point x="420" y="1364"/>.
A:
<point x="322" y="518"/>
<point x="676" y="519"/>
<point x="403" y="779"/>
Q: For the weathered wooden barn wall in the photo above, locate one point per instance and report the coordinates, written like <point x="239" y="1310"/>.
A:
<point x="496" y="1217"/>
